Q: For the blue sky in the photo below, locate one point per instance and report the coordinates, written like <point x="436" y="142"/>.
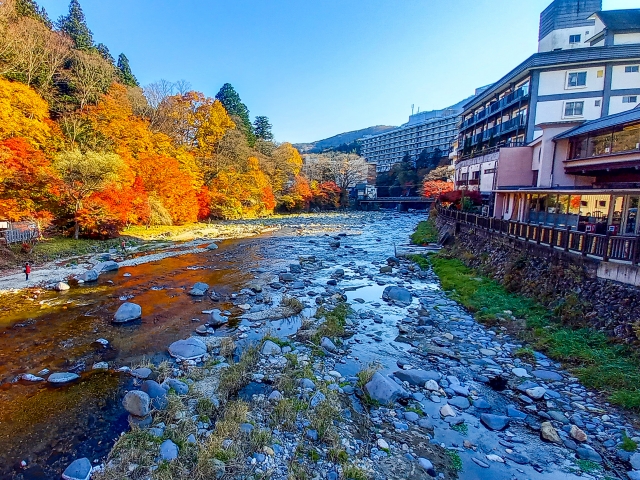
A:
<point x="317" y="68"/>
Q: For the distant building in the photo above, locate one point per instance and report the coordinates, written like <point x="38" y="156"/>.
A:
<point x="587" y="67"/>
<point x="433" y="131"/>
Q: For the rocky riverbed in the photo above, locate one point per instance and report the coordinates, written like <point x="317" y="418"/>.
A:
<point x="332" y="358"/>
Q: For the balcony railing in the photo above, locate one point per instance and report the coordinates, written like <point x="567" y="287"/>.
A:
<point x="604" y="247"/>
<point x="498" y="105"/>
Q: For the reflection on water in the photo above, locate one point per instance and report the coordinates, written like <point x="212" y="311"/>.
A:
<point x="49" y="427"/>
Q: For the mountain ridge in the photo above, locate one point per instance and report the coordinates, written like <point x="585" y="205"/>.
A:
<point x="341" y="139"/>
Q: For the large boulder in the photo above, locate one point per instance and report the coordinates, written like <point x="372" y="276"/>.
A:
<point x="109" y="266"/>
<point x="79" y="469"/>
<point x="89" y="276"/>
<point x="417" y="376"/>
<point x="397" y="294"/>
<point x="494" y="422"/>
<point x="157" y="394"/>
<point x="127" y="312"/>
<point x="137" y="403"/>
<point x="189" y="349"/>
<point x="271" y="348"/>
<point x="61" y="287"/>
<point x="384" y="390"/>
<point x="199" y="289"/>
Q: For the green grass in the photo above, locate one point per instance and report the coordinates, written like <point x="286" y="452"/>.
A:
<point x="426" y="232"/>
<point x="525" y="353"/>
<point x="461" y="428"/>
<point x="336" y="320"/>
<point x="456" y="461"/>
<point x="351" y="472"/>
<point x="627" y="444"/>
<point x="588" y="354"/>
<point x="588" y="466"/>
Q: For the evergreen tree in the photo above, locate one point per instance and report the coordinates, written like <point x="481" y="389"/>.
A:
<point x="126" y="75"/>
<point x="106" y="54"/>
<point x="235" y="108"/>
<point x="262" y="128"/>
<point x="29" y="8"/>
<point x="76" y="27"/>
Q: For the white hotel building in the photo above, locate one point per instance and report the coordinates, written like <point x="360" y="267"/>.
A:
<point x="436" y="129"/>
<point x="587" y="67"/>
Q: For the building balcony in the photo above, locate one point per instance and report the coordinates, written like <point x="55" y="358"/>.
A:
<point x="498" y="106"/>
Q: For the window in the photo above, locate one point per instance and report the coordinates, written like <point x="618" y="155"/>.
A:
<point x="573" y="109"/>
<point x="597" y="103"/>
<point x="576" y="79"/>
<point x="630" y="99"/>
<point x="632" y="69"/>
<point x="574" y="38"/>
<point x="490" y="170"/>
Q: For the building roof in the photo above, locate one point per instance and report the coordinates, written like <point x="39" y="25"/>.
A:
<point x="630" y="116"/>
<point x="621" y="20"/>
<point x="555" y="58"/>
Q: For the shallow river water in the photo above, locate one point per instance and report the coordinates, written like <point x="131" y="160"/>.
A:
<point x="49" y="427"/>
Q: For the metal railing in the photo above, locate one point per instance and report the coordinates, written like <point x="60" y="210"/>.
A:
<point x="605" y="247"/>
<point x="19" y="232"/>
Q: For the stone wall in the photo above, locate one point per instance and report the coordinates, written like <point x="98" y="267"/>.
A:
<point x="565" y="282"/>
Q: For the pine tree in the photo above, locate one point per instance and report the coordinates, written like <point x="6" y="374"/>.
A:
<point x="235" y="108"/>
<point x="106" y="54"/>
<point x="29" y="8"/>
<point x="76" y="27"/>
<point x="126" y="75"/>
<point x="262" y="128"/>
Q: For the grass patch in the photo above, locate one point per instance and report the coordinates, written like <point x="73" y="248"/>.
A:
<point x="351" y="472"/>
<point x="588" y="466"/>
<point x="335" y="321"/>
<point x="589" y="355"/>
<point x="293" y="303"/>
<point x="627" y="444"/>
<point x="364" y="376"/>
<point x="426" y="232"/>
<point x="237" y="375"/>
<point x="461" y="428"/>
<point x="338" y="456"/>
<point x="456" y="461"/>
<point x="525" y="353"/>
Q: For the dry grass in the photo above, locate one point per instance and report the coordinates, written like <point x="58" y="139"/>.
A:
<point x="293" y="303"/>
<point x="227" y="347"/>
<point x="237" y="375"/>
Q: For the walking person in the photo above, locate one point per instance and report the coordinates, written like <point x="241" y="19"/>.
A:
<point x="27" y="271"/>
<point x="124" y="248"/>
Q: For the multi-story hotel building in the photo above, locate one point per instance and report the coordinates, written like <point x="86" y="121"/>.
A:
<point x="430" y="131"/>
<point x="587" y="68"/>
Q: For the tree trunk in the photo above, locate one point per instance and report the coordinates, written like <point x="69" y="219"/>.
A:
<point x="75" y="217"/>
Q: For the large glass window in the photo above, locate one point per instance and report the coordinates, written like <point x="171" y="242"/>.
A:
<point x="627" y="139"/>
<point x="632" y="216"/>
<point x="576" y="79"/>
<point x="573" y="109"/>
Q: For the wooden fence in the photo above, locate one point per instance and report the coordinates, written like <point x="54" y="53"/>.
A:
<point x="605" y="247"/>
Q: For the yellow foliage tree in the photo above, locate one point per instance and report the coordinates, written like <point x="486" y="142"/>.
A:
<point x="23" y="113"/>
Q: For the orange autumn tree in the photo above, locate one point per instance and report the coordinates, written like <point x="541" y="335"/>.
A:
<point x="435" y="188"/>
<point x="298" y="196"/>
<point x="28" y="183"/>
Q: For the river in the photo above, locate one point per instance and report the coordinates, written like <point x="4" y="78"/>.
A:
<point x="48" y="427"/>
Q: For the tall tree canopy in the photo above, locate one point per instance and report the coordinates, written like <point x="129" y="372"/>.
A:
<point x="75" y="26"/>
<point x="126" y="75"/>
<point x="235" y="108"/>
<point x="29" y="8"/>
<point x="262" y="128"/>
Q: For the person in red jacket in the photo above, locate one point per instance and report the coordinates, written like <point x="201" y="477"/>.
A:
<point x="27" y="270"/>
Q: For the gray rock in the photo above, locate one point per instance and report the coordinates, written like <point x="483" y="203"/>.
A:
<point x="328" y="345"/>
<point x="416" y="376"/>
<point x="109" y="266"/>
<point x="89" y="276"/>
<point x="140" y="422"/>
<point x="460" y="402"/>
<point x="142" y="373"/>
<point x="317" y="399"/>
<point x="286" y="277"/>
<point x="634" y="475"/>
<point x="191" y="439"/>
<point x="482" y="404"/>
<point x="216" y="318"/>
<point x="180" y="387"/>
<point x="275" y="396"/>
<point x="398" y="294"/>
<point x="547" y="375"/>
<point x="61" y="287"/>
<point x="515" y="413"/>
<point x="585" y="452"/>
<point x="157" y="394"/>
<point x="62" y="377"/>
<point x="548" y="433"/>
<point x="494" y="422"/>
<point x="212" y="246"/>
<point x="411" y="416"/>
<point x="188" y="349"/>
<point x="246" y="428"/>
<point x="384" y="390"/>
<point x="536" y="393"/>
<point x="393" y="261"/>
<point x="137" y="403"/>
<point x="79" y="469"/>
<point x="199" y="289"/>
<point x="270" y="348"/>
<point x="127" y="312"/>
<point x="517" y="458"/>
<point x="427" y="465"/>
<point x="307" y="384"/>
<point x="460" y="390"/>
<point x="168" y="451"/>
<point x="312" y="435"/>
<point x="634" y="460"/>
